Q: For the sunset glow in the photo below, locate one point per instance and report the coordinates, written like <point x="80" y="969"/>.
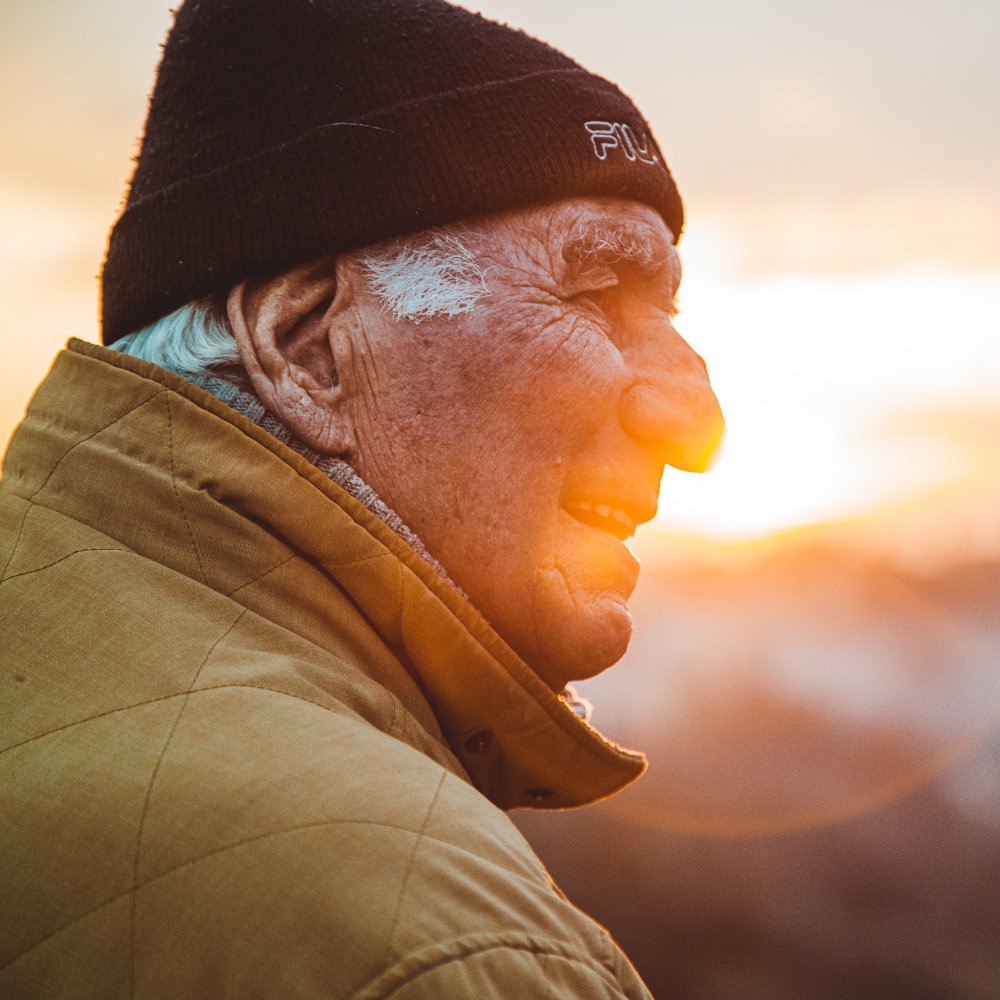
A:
<point x="822" y="380"/>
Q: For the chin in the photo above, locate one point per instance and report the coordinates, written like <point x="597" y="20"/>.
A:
<point x="566" y="615"/>
<point x="586" y="641"/>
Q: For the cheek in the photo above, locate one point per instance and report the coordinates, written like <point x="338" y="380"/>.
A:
<point x="533" y="401"/>
<point x="587" y="369"/>
<point x="540" y="422"/>
<point x="568" y="381"/>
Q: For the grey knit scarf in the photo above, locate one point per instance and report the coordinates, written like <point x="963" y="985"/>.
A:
<point x="249" y="405"/>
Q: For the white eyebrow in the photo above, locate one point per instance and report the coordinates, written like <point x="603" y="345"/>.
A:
<point x="612" y="241"/>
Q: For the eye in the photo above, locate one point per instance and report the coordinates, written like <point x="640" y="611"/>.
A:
<point x="593" y="298"/>
<point x="596" y="299"/>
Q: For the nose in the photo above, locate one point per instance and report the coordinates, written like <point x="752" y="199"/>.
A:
<point x="670" y="407"/>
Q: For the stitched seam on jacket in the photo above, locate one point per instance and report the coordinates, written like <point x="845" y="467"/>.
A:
<point x="242" y="843"/>
<point x="92" y="434"/>
<point x="475" y="946"/>
<point x="534" y="950"/>
<point x="412" y="860"/>
<point x="177" y="493"/>
<point x="184" y="694"/>
<point x="149" y="791"/>
<point x="360" y="562"/>
<point x="17" y="541"/>
<point x="260" y="576"/>
<point x="55" y="562"/>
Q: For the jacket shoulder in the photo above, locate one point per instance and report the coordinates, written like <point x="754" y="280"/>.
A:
<point x="245" y="843"/>
<point x="348" y="866"/>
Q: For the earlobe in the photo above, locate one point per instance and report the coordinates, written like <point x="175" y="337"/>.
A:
<point x="285" y="329"/>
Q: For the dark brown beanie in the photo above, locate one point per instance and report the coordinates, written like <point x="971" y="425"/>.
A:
<point x="282" y="130"/>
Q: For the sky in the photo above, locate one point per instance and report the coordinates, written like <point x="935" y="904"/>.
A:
<point x="839" y="166"/>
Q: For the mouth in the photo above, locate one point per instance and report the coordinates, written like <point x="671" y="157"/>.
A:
<point x="620" y="522"/>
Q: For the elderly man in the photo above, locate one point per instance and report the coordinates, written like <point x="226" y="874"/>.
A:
<point x="294" y="576"/>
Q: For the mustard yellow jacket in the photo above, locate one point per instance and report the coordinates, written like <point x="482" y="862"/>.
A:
<point x="251" y="744"/>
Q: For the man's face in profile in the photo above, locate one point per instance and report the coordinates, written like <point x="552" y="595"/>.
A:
<point x="524" y="441"/>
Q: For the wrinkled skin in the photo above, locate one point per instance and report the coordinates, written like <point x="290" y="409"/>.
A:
<point x="523" y="441"/>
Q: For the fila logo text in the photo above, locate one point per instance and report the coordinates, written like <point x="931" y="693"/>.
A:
<point x="617" y="135"/>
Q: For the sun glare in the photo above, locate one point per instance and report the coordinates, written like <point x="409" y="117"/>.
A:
<point x="816" y="376"/>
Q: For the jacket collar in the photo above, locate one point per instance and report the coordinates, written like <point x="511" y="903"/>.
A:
<point x="520" y="744"/>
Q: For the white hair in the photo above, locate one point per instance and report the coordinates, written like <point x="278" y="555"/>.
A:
<point x="189" y="341"/>
<point x="431" y="273"/>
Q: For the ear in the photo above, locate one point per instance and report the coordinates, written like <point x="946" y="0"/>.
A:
<point x="289" y="333"/>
